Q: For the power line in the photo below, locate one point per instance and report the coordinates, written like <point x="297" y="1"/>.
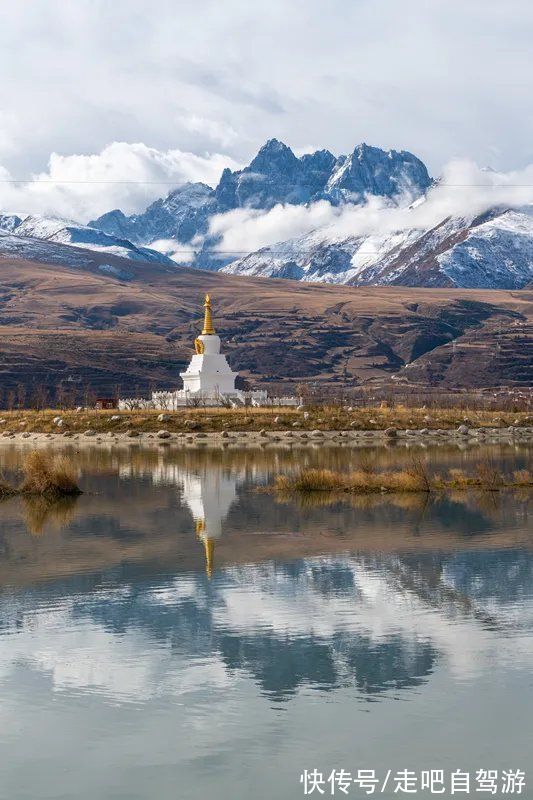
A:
<point x="98" y="183"/>
<point x="185" y="183"/>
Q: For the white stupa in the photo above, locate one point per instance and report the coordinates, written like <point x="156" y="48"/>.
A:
<point x="208" y="380"/>
<point x="208" y="371"/>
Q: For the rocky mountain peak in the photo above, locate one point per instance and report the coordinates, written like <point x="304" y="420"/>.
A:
<point x="371" y="171"/>
<point x="275" y="175"/>
<point x="274" y="156"/>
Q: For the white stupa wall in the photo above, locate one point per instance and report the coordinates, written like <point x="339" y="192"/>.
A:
<point x="209" y="372"/>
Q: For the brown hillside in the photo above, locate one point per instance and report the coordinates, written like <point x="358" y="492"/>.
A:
<point x="81" y="326"/>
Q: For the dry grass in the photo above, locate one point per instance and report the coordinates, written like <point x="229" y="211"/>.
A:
<point x="523" y="477"/>
<point x="6" y="490"/>
<point x="415" y="478"/>
<point x="44" y="475"/>
<point x="48" y="476"/>
<point x="254" y="419"/>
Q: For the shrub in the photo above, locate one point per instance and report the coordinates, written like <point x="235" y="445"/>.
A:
<point x="46" y="475"/>
<point x="418" y="475"/>
<point x="489" y="476"/>
<point x="523" y="477"/>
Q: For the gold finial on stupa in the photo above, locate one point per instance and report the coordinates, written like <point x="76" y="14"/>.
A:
<point x="208" y="322"/>
<point x="209" y="547"/>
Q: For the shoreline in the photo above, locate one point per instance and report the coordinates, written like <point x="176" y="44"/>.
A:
<point x="258" y="424"/>
<point x="342" y="437"/>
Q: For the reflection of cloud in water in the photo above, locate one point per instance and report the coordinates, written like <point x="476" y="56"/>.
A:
<point x="324" y="622"/>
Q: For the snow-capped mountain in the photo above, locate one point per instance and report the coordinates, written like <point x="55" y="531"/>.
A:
<point x="494" y="250"/>
<point x="491" y="251"/>
<point x="60" y="231"/>
<point x="275" y="175"/>
<point x="371" y="171"/>
<point x="180" y="215"/>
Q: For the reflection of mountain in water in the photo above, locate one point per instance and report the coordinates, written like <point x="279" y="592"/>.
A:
<point x="376" y="624"/>
<point x="379" y="621"/>
<point x="502" y="576"/>
<point x="282" y="666"/>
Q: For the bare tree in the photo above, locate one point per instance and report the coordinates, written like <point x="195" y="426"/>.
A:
<point x="39" y="397"/>
<point x="89" y="396"/>
<point x="133" y="403"/>
<point x="21" y="395"/>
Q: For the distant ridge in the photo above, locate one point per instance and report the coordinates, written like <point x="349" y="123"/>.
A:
<point x="491" y="251"/>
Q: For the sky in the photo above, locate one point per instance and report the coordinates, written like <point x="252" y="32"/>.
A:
<point x="174" y="90"/>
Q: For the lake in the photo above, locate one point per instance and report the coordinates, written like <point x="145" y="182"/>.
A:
<point x="178" y="632"/>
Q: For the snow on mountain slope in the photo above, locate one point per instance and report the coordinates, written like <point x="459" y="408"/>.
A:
<point x="182" y="214"/>
<point x="372" y="171"/>
<point x="49" y="229"/>
<point x="275" y="176"/>
<point x="48" y="252"/>
<point x="497" y="253"/>
<point x="280" y="194"/>
<point x="493" y="251"/>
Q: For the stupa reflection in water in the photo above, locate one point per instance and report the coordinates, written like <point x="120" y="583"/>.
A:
<point x="374" y="622"/>
<point x="209" y="495"/>
<point x="206" y="490"/>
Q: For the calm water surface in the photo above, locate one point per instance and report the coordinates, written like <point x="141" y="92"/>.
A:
<point x="176" y="633"/>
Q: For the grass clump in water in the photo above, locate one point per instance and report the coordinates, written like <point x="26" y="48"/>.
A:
<point x="361" y="480"/>
<point x="47" y="476"/>
<point x="6" y="490"/>
<point x="414" y="478"/>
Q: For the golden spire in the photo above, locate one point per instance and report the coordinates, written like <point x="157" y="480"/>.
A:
<point x="208" y="322"/>
<point x="209" y="547"/>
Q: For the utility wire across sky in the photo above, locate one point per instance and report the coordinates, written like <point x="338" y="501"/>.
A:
<point x="38" y="182"/>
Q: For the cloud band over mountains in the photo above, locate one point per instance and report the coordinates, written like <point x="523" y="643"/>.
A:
<point x="125" y="175"/>
<point x="132" y="175"/>
<point x="464" y="190"/>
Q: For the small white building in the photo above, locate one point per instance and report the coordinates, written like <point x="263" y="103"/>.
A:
<point x="208" y="380"/>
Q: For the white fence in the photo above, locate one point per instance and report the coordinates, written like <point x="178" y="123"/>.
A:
<point x="172" y="401"/>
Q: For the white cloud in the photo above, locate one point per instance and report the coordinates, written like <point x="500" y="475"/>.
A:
<point x="465" y="190"/>
<point x="121" y="175"/>
<point x="179" y="252"/>
<point x="247" y="229"/>
<point x="446" y="77"/>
